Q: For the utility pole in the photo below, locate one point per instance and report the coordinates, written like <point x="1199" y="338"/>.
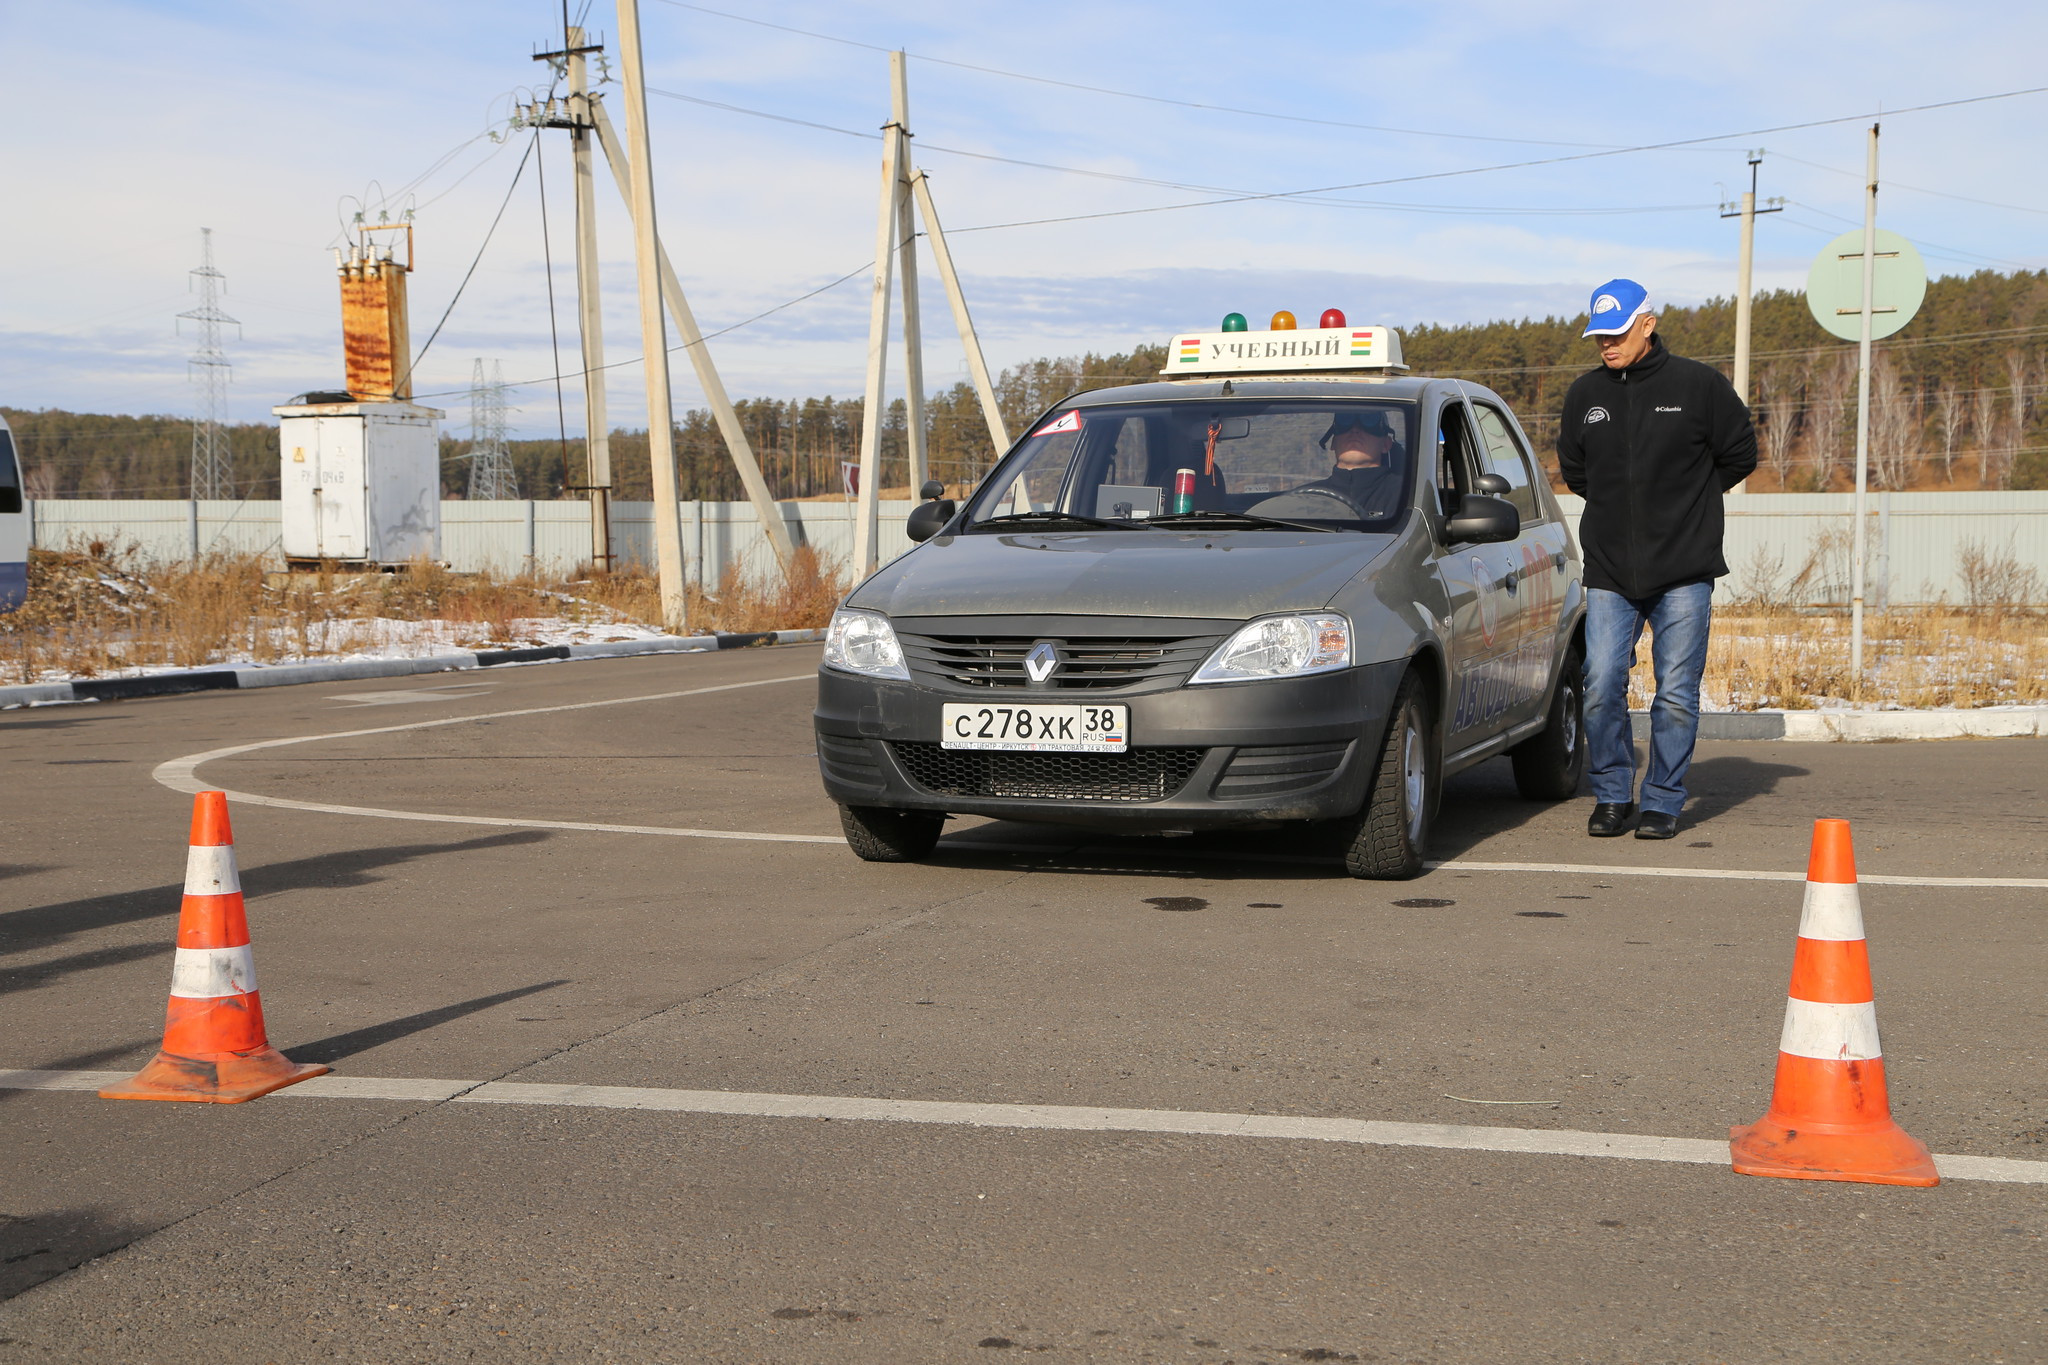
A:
<point x="977" y="367"/>
<point x="597" y="440"/>
<point x="906" y="260"/>
<point x="212" y="471"/>
<point x="867" y="545"/>
<point x="668" y="516"/>
<point x="1747" y="212"/>
<point x="490" y="463"/>
<point x="905" y="196"/>
<point x="1863" y="424"/>
<point x="722" y="411"/>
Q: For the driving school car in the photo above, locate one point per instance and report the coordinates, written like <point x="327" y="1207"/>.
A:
<point x="1286" y="584"/>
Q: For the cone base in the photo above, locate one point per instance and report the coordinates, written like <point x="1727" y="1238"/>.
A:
<point x="218" y="1078"/>
<point x="1887" y="1155"/>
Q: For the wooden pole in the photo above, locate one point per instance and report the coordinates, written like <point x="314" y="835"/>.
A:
<point x="597" y="440"/>
<point x="867" y="546"/>
<point x="977" y="367"/>
<point x="668" y="527"/>
<point x="906" y="259"/>
<point x="736" y="442"/>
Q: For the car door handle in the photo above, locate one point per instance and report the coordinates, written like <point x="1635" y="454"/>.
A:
<point x="1509" y="579"/>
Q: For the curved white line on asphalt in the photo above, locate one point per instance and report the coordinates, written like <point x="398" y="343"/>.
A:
<point x="179" y="774"/>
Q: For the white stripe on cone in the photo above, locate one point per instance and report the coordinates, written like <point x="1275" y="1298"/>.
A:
<point x="210" y="870"/>
<point x="209" y="973"/>
<point x="1831" y="911"/>
<point x="1830" y="1033"/>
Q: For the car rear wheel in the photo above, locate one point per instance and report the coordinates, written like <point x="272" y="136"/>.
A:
<point x="879" y="835"/>
<point x="1549" y="764"/>
<point x="1388" y="838"/>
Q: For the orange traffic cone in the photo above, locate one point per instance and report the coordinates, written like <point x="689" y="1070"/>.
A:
<point x="214" y="1049"/>
<point x="1830" y="1118"/>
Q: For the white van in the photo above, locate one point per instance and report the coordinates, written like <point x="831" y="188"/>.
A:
<point x="13" y="525"/>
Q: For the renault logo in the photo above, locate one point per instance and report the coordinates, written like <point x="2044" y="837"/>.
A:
<point x="1040" y="663"/>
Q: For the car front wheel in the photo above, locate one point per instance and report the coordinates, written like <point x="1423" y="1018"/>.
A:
<point x="880" y="835"/>
<point x="1388" y="838"/>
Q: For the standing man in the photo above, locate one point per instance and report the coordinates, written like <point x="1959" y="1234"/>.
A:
<point x="1651" y="441"/>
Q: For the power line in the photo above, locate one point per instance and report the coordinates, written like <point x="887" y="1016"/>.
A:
<point x="1132" y="94"/>
<point x="1506" y="166"/>
<point x="421" y="354"/>
<point x="1175" y="184"/>
<point x="675" y="350"/>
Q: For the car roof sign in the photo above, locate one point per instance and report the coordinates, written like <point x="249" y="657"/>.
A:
<point x="1294" y="351"/>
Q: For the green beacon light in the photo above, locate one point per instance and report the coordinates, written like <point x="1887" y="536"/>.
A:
<point x="1333" y="317"/>
<point x="1234" y="322"/>
<point x="1283" y="321"/>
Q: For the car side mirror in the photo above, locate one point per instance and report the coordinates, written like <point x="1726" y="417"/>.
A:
<point x="1483" y="519"/>
<point x="927" y="519"/>
<point x="933" y="490"/>
<point x="1492" y="484"/>
<point x="10" y="499"/>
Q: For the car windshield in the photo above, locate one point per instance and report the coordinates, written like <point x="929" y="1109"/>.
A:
<point x="1319" y="464"/>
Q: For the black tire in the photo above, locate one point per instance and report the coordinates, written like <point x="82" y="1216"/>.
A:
<point x="879" y="835"/>
<point x="1549" y="764"/>
<point x="1387" y="840"/>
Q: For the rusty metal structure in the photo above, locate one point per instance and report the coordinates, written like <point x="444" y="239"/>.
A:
<point x="376" y="340"/>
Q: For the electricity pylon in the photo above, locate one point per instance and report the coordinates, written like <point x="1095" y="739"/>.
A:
<point x="490" y="463"/>
<point x="212" y="470"/>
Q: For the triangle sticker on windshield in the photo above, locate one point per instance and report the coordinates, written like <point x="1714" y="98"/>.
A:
<point x="1065" y="422"/>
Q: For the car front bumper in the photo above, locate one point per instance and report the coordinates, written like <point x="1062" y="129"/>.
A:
<point x="1204" y="757"/>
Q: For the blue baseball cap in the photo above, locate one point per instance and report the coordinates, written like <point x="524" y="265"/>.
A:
<point x="1615" y="307"/>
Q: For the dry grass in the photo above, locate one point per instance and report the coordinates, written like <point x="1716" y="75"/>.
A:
<point x="1931" y="656"/>
<point x="98" y="608"/>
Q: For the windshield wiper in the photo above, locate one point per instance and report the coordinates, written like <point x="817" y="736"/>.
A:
<point x="1074" y="518"/>
<point x="1240" y="518"/>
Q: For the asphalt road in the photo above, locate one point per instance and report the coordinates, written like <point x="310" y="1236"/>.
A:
<point x="1021" y="966"/>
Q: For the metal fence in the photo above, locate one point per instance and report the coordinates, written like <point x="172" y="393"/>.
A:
<point x="1792" y="546"/>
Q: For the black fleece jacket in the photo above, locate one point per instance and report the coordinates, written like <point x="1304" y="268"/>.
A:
<point x="1651" y="449"/>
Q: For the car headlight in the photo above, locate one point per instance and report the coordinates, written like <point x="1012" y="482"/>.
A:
<point x="862" y="642"/>
<point x="1280" y="647"/>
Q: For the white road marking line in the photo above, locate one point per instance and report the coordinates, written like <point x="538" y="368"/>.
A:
<point x="1054" y="1117"/>
<point x="179" y="774"/>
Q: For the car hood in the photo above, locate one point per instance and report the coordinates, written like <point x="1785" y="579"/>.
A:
<point x="1214" y="574"/>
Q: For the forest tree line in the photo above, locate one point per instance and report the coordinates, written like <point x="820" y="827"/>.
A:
<point x="1959" y="400"/>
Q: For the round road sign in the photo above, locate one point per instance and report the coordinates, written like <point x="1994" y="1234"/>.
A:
<point x="1834" y="287"/>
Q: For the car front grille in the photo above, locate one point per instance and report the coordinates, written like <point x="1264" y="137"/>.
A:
<point x="1134" y="775"/>
<point x="1087" y="662"/>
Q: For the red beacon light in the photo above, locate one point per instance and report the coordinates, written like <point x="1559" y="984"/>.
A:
<point x="1333" y="317"/>
<point x="1283" y="321"/>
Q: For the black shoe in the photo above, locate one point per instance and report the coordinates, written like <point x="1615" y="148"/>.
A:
<point x="1610" y="818"/>
<point x="1656" y="825"/>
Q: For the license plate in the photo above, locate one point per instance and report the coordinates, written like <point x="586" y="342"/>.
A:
<point x="1034" y="728"/>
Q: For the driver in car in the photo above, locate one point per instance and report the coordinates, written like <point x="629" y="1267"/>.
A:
<point x="1368" y="469"/>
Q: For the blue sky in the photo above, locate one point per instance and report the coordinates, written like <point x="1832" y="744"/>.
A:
<point x="268" y="122"/>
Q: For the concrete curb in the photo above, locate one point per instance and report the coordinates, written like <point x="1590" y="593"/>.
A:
<point x="1864" y="726"/>
<point x="352" y="670"/>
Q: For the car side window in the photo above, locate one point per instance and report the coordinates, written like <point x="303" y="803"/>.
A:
<point x="1505" y="457"/>
<point x="1453" y="459"/>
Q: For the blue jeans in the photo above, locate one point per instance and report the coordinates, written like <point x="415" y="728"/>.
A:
<point x="1678" y="621"/>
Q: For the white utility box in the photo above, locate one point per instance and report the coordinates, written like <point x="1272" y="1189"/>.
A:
<point x="362" y="481"/>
